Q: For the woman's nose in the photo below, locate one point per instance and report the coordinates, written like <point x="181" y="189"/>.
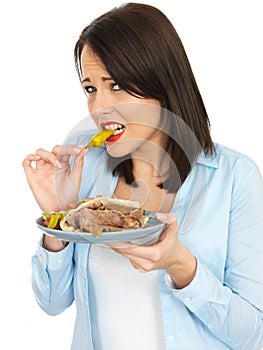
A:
<point x="101" y="107"/>
<point x="100" y="104"/>
<point x="102" y="114"/>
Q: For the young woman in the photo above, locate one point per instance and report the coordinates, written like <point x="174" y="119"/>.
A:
<point x="200" y="286"/>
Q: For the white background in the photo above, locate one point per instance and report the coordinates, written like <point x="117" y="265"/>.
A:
<point x="41" y="100"/>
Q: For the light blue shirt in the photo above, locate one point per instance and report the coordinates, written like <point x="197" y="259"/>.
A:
<point x="220" y="214"/>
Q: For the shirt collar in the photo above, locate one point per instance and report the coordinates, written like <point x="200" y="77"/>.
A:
<point x="208" y="160"/>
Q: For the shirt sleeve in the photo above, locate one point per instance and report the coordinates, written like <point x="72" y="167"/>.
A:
<point x="233" y="310"/>
<point x="52" y="278"/>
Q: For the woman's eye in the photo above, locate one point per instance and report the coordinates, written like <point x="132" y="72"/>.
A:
<point x="116" y="87"/>
<point x="89" y="89"/>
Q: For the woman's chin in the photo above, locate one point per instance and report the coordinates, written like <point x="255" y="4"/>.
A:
<point x="125" y="147"/>
<point x="117" y="150"/>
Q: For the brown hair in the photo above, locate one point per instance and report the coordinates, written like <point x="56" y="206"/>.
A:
<point x="143" y="53"/>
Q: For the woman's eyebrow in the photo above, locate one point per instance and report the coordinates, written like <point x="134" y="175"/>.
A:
<point x="84" y="80"/>
<point x="103" y="79"/>
<point x="106" y="78"/>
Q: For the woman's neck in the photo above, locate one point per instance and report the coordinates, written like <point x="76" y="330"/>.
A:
<point x="153" y="162"/>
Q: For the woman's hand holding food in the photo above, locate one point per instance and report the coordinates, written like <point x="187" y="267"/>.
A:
<point x="168" y="253"/>
<point x="52" y="180"/>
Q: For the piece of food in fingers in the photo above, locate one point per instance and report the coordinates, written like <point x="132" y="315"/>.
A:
<point x="104" y="214"/>
<point x="99" y="139"/>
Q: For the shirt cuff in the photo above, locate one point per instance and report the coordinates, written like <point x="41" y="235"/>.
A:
<point x="200" y="291"/>
<point x="55" y="260"/>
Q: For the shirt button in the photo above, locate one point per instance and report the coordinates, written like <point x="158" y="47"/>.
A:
<point x="210" y="326"/>
<point x="187" y="299"/>
<point x="167" y="297"/>
<point x="171" y="338"/>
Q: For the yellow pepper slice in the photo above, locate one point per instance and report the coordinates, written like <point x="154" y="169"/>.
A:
<point x="55" y="218"/>
<point x="98" y="139"/>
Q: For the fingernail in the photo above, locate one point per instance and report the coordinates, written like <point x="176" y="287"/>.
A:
<point x="162" y="216"/>
<point x="58" y="164"/>
<point x="166" y="217"/>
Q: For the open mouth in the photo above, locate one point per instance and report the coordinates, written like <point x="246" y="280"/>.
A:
<point x="111" y="126"/>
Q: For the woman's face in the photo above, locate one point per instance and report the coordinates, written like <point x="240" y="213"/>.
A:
<point x="136" y="119"/>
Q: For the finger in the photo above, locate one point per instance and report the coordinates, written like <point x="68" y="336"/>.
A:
<point x="138" y="267"/>
<point x="143" y="265"/>
<point x="76" y="172"/>
<point x="42" y="163"/>
<point x="137" y="261"/>
<point x="66" y="150"/>
<point x="151" y="253"/>
<point x="169" y="234"/>
<point x="121" y="245"/>
<point x="27" y="162"/>
<point x="47" y="157"/>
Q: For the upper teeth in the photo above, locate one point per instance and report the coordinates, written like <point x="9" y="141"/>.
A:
<point x="112" y="126"/>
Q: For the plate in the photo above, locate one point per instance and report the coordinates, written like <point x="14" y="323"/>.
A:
<point x="144" y="236"/>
